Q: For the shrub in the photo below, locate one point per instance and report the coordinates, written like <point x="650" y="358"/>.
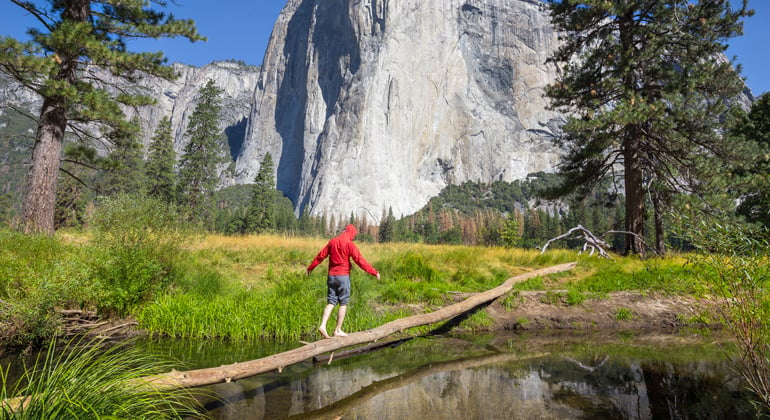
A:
<point x="38" y="274"/>
<point x="138" y="242"/>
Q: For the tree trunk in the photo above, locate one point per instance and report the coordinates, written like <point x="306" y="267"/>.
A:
<point x="40" y="197"/>
<point x="634" y="192"/>
<point x="660" y="233"/>
<point x="210" y="376"/>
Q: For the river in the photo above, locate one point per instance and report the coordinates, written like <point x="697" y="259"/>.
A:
<point x="576" y="375"/>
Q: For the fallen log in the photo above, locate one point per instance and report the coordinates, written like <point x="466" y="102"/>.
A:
<point x="235" y="371"/>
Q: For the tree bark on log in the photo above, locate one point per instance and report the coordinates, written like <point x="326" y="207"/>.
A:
<point x="235" y="371"/>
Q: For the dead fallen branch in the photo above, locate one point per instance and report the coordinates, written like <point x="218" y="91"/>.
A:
<point x="589" y="241"/>
<point x="235" y="371"/>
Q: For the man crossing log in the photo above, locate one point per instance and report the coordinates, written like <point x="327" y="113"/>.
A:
<point x="235" y="371"/>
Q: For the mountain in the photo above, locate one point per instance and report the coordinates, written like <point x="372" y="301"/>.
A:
<point x="372" y="105"/>
<point x="175" y="99"/>
<point x="368" y="106"/>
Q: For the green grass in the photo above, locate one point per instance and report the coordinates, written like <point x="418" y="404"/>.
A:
<point x="261" y="293"/>
<point x="669" y="275"/>
<point x="255" y="287"/>
<point x="624" y="314"/>
<point x="288" y="310"/>
<point x="91" y="380"/>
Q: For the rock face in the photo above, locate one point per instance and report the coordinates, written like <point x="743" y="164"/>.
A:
<point x="175" y="99"/>
<point x="372" y="105"/>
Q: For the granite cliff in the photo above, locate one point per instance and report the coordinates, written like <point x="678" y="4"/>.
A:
<point x="372" y="105"/>
<point x="175" y="99"/>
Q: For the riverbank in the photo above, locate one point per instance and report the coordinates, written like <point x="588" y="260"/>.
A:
<point x="545" y="311"/>
<point x="540" y="310"/>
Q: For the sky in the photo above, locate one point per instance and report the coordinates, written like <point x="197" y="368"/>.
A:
<point x="240" y="30"/>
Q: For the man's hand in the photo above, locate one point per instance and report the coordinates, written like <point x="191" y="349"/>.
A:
<point x="378" y="276"/>
<point x="307" y="272"/>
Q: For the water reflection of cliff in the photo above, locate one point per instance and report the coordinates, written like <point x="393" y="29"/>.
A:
<point x="492" y="385"/>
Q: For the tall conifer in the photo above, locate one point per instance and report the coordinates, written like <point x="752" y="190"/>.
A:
<point x="202" y="154"/>
<point x="161" y="159"/>
<point x="645" y="83"/>
<point x="261" y="213"/>
<point x="124" y="166"/>
<point x="75" y="38"/>
<point x="755" y="197"/>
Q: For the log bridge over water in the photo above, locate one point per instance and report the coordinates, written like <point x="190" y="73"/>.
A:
<point x="227" y="373"/>
<point x="235" y="371"/>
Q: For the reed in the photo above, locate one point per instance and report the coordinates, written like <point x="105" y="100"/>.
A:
<point x="87" y="379"/>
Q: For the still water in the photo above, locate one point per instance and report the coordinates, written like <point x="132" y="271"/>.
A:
<point x="501" y="376"/>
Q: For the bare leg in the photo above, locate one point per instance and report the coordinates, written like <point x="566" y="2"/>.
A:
<point x="325" y="319"/>
<point x="340" y="319"/>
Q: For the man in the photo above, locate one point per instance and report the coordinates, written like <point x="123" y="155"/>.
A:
<point x="340" y="251"/>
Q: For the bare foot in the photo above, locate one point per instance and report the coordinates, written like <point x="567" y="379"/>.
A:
<point x="340" y="334"/>
<point x="323" y="332"/>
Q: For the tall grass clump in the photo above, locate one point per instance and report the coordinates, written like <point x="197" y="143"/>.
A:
<point x="286" y="308"/>
<point x="667" y="275"/>
<point x="137" y="242"/>
<point x="434" y="274"/>
<point x="37" y="274"/>
<point x="89" y="380"/>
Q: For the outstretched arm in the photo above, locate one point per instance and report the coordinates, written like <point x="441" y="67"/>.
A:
<point x="322" y="254"/>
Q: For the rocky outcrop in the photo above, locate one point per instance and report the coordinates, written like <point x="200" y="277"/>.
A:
<point x="175" y="99"/>
<point x="372" y="105"/>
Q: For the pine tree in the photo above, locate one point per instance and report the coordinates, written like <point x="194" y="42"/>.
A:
<point x="124" y="166"/>
<point x="202" y="154"/>
<point x="76" y="34"/>
<point x="261" y="213"/>
<point x="387" y="227"/>
<point x="645" y="85"/>
<point x="511" y="231"/>
<point x="159" y="169"/>
<point x="755" y="196"/>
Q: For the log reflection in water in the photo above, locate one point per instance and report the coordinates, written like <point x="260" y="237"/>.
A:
<point x="339" y="408"/>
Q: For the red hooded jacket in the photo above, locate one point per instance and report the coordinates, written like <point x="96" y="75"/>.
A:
<point x="340" y="251"/>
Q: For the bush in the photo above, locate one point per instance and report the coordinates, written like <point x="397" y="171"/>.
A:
<point x="37" y="274"/>
<point x="138" y="242"/>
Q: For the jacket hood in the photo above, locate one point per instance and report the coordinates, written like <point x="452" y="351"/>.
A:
<point x="350" y="231"/>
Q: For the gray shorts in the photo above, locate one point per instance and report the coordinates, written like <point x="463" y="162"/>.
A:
<point x="338" y="290"/>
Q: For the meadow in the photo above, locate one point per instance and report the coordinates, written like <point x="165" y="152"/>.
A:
<point x="255" y="287"/>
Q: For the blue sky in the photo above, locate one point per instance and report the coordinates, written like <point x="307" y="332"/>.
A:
<point x="240" y="29"/>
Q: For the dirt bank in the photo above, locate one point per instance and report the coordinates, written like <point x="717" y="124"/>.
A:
<point x="619" y="310"/>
